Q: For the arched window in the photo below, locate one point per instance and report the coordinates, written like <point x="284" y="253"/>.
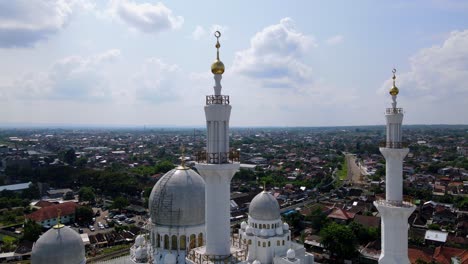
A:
<point x="258" y="243"/>
<point x="158" y="241"/>
<point x="268" y="226"/>
<point x="264" y="244"/>
<point x="200" y="239"/>
<point x="283" y="242"/>
<point x="288" y="238"/>
<point x="278" y="243"/>
<point x="174" y="242"/>
<point x="166" y="242"/>
<point x="182" y="242"/>
<point x="192" y="241"/>
<point x="250" y="241"/>
<point x="269" y="244"/>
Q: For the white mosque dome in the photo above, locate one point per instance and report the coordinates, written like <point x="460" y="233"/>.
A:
<point x="139" y="240"/>
<point x="169" y="259"/>
<point x="249" y="230"/>
<point x="243" y="225"/>
<point x="256" y="262"/>
<point x="264" y="207"/>
<point x="178" y="199"/>
<point x="290" y="254"/>
<point x="285" y="226"/>
<point x="279" y="231"/>
<point x="58" y="245"/>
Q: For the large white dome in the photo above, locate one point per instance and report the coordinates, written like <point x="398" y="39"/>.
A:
<point x="58" y="246"/>
<point x="264" y="207"/>
<point x="178" y="199"/>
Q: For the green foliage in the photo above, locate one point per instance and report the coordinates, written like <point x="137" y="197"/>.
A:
<point x="69" y="156"/>
<point x="364" y="235"/>
<point x="84" y="215"/>
<point x="86" y="194"/>
<point x="163" y="166"/>
<point x="343" y="172"/>
<point x="120" y="203"/>
<point x="339" y="240"/>
<point x="245" y="175"/>
<point x="32" y="231"/>
<point x="317" y="218"/>
<point x="434" y="227"/>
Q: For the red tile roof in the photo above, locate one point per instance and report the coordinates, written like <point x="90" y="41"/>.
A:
<point x="339" y="213"/>
<point x="42" y="204"/>
<point x="443" y="255"/>
<point x="367" y="221"/>
<point x="52" y="211"/>
<point x="415" y="254"/>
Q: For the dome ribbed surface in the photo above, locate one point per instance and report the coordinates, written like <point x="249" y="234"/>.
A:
<point x="178" y="199"/>
<point x="264" y="207"/>
<point x="58" y="246"/>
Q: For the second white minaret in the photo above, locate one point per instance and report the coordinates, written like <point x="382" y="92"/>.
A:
<point x="217" y="169"/>
<point x="393" y="210"/>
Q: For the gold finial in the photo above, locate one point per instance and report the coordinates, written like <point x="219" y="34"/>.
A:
<point x="218" y="66"/>
<point x="59" y="225"/>
<point x="264" y="186"/>
<point x="394" y="91"/>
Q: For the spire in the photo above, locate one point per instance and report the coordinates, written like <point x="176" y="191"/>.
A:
<point x="59" y="225"/>
<point x="394" y="91"/>
<point x="217" y="67"/>
<point x="182" y="158"/>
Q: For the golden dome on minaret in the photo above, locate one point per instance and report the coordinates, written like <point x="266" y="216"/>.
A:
<point x="394" y="91"/>
<point x="218" y="66"/>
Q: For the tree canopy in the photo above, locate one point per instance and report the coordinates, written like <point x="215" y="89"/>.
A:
<point x="339" y="240"/>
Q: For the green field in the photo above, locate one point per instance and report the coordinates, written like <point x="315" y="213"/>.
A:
<point x="343" y="173"/>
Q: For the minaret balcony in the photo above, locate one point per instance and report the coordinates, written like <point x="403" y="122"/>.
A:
<point x="218" y="157"/>
<point x="395" y="145"/>
<point x="217" y="99"/>
<point x="390" y="111"/>
<point x="390" y="203"/>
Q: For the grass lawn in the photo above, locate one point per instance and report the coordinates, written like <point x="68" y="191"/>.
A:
<point x="343" y="173"/>
<point x="109" y="250"/>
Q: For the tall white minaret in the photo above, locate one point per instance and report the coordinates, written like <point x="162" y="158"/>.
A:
<point x="217" y="169"/>
<point x="393" y="210"/>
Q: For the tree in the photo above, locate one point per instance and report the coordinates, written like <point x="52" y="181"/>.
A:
<point x="84" y="215"/>
<point x="120" y="203"/>
<point x="339" y="240"/>
<point x="86" y="194"/>
<point x="317" y="218"/>
<point x="69" y="156"/>
<point x="32" y="231"/>
<point x="164" y="166"/>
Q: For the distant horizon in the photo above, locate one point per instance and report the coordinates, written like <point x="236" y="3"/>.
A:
<point x="143" y="127"/>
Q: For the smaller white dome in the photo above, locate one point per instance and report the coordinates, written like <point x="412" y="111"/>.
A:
<point x="139" y="240"/>
<point x="290" y="254"/>
<point x="249" y="230"/>
<point x="243" y="225"/>
<point x="256" y="262"/>
<point x="169" y="259"/>
<point x="285" y="226"/>
<point x="263" y="232"/>
<point x="139" y="253"/>
<point x="279" y="231"/>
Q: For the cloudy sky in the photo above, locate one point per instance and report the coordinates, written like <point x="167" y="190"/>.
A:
<point x="288" y="63"/>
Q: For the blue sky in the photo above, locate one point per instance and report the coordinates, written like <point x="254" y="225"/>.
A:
<point x="296" y="63"/>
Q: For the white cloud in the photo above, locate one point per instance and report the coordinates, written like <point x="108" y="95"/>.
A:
<point x="156" y="81"/>
<point x="146" y="17"/>
<point x="337" y="39"/>
<point x="198" y="33"/>
<point x="437" y="80"/>
<point x="275" y="56"/>
<point x="23" y="23"/>
<point x="71" y="78"/>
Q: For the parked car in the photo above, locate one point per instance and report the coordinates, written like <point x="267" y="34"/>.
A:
<point x="80" y="230"/>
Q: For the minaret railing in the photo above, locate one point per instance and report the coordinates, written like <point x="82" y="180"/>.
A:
<point x="395" y="145"/>
<point x="217" y="99"/>
<point x="218" y="157"/>
<point x="394" y="111"/>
